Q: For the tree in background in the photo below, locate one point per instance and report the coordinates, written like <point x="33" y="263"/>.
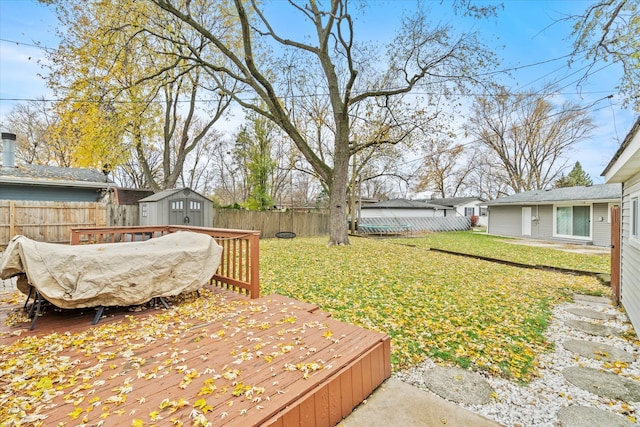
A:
<point x="609" y="30"/>
<point x="122" y="96"/>
<point x="447" y="166"/>
<point x="577" y="177"/>
<point x="253" y="148"/>
<point x="36" y="143"/>
<point x="527" y="136"/>
<point x="269" y="62"/>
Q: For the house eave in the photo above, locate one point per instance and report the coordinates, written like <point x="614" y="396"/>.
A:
<point x="55" y="183"/>
<point x="555" y="202"/>
<point x="626" y="161"/>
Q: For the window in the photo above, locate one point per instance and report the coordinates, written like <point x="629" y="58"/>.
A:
<point x="177" y="205"/>
<point x="483" y="211"/>
<point x="194" y="205"/>
<point x="468" y="211"/>
<point x="145" y="210"/>
<point x="573" y="221"/>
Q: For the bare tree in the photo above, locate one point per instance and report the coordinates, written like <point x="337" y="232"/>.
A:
<point x="609" y="30"/>
<point x="528" y="136"/>
<point x="447" y="166"/>
<point x="419" y="55"/>
<point x="32" y="122"/>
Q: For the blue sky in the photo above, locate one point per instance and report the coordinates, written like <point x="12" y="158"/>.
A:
<point x="528" y="29"/>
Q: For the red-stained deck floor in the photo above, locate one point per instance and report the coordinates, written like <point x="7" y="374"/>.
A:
<point x="221" y="359"/>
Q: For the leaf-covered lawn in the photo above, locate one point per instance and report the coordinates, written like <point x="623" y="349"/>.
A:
<point x="499" y="247"/>
<point x="471" y="312"/>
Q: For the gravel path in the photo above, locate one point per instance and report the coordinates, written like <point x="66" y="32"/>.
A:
<point x="538" y="403"/>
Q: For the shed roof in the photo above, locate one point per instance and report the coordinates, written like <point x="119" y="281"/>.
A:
<point x="53" y="176"/>
<point x="167" y="193"/>
<point x="404" y="204"/>
<point x="600" y="192"/>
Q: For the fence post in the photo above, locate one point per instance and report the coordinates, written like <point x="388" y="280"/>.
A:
<point x="12" y="219"/>
<point x="255" y="265"/>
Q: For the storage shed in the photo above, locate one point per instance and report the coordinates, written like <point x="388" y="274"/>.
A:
<point x="180" y="206"/>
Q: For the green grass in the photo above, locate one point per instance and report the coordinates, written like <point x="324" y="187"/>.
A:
<point x="469" y="312"/>
<point x="498" y="247"/>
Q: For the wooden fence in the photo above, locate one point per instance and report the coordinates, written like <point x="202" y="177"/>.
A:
<point x="269" y="223"/>
<point x="52" y="221"/>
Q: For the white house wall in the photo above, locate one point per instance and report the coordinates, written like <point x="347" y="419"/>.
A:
<point x="482" y="220"/>
<point x="630" y="256"/>
<point x="401" y="213"/>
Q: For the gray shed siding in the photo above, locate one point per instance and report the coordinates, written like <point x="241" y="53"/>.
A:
<point x="48" y="194"/>
<point x="630" y="256"/>
<point x="157" y="209"/>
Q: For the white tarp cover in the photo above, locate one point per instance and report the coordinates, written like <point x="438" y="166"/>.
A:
<point x="112" y="274"/>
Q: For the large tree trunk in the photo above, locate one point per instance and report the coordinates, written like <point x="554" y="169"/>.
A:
<point x="338" y="233"/>
<point x="338" y="230"/>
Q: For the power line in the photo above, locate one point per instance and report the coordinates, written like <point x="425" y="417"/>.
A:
<point x="19" y="43"/>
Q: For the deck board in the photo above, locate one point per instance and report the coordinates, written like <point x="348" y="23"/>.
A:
<point x="268" y="341"/>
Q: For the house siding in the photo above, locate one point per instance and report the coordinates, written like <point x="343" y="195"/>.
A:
<point x="402" y="213"/>
<point x="630" y="257"/>
<point x="545" y="221"/>
<point x="505" y="221"/>
<point x="43" y="193"/>
<point x="601" y="231"/>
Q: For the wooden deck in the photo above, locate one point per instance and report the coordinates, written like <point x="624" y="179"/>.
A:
<point x="219" y="358"/>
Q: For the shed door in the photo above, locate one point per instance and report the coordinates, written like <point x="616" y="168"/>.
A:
<point x="186" y="212"/>
<point x="177" y="212"/>
<point x="194" y="212"/>
<point x="526" y="221"/>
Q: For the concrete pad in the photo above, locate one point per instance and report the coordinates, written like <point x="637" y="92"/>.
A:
<point x="580" y="416"/>
<point x="603" y="384"/>
<point x="396" y="403"/>
<point x="598" y="351"/>
<point x="593" y="328"/>
<point x="458" y="385"/>
<point x="590" y="299"/>
<point x="591" y="314"/>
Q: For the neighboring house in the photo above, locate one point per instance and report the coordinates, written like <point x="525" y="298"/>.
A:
<point x="47" y="183"/>
<point x="403" y="208"/>
<point x="410" y="215"/>
<point x="624" y="168"/>
<point x="465" y="206"/>
<point x="572" y="214"/>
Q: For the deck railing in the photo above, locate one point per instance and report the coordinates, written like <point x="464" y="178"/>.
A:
<point x="238" y="270"/>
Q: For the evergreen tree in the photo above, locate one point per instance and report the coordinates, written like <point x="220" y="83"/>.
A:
<point x="576" y="177"/>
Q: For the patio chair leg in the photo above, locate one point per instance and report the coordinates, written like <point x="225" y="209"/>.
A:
<point x="37" y="302"/>
<point x="24" y="308"/>
<point x="98" y="315"/>
<point x="162" y="300"/>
